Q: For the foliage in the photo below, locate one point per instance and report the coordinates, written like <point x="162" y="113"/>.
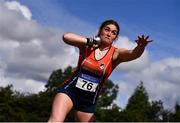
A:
<point x="138" y="105"/>
<point x="108" y="94"/>
<point x="57" y="78"/>
<point x="175" y="117"/>
<point x="16" y="106"/>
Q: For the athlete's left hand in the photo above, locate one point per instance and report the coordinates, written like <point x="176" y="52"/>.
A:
<point x="143" y="40"/>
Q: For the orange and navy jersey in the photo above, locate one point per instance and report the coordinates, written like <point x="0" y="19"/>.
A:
<point x="91" y="69"/>
<point x="102" y="67"/>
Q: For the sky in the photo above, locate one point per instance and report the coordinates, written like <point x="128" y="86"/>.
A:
<point x="31" y="45"/>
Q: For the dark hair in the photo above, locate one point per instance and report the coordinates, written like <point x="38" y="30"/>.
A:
<point x="107" y="22"/>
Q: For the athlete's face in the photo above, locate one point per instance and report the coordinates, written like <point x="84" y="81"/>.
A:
<point x="108" y="34"/>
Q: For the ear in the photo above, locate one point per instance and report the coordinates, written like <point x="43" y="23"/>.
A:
<point x="98" y="34"/>
<point x="116" y="38"/>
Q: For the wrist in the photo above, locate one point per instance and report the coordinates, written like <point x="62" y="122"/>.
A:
<point x="93" y="41"/>
<point x="89" y="41"/>
<point x="142" y="45"/>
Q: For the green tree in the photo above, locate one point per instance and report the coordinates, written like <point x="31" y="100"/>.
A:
<point x="6" y="97"/>
<point x="109" y="114"/>
<point x="57" y="77"/>
<point x="138" y="105"/>
<point x="108" y="94"/>
<point x="156" y="112"/>
<point x="105" y="102"/>
<point x="175" y="117"/>
<point x="10" y="105"/>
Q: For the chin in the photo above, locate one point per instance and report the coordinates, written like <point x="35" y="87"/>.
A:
<point x="108" y="43"/>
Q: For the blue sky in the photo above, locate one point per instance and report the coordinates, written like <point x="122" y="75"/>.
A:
<point x="31" y="46"/>
<point x="157" y="18"/>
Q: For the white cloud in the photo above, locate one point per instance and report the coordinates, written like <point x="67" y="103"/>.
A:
<point x="23" y="84"/>
<point x="161" y="79"/>
<point x="29" y="52"/>
<point x="13" y="5"/>
<point x="15" y="26"/>
<point x="135" y="65"/>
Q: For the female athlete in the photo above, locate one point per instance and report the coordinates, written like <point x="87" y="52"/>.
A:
<point x="97" y="59"/>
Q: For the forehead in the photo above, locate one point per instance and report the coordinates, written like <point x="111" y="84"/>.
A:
<point x="111" y="26"/>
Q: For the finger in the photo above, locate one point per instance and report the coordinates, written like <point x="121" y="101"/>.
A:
<point x="147" y="37"/>
<point x="143" y="36"/>
<point x="150" y="41"/>
<point x="95" y="45"/>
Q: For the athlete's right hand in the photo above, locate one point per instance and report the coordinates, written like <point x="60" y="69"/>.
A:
<point x="93" y="41"/>
<point x="97" y="40"/>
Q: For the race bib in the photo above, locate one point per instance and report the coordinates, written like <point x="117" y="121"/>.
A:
<point x="87" y="83"/>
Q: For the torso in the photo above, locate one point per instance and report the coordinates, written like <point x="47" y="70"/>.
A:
<point x="101" y="57"/>
<point x="100" y="54"/>
<point x="92" y="71"/>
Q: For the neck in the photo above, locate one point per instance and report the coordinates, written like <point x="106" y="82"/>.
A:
<point x="103" y="47"/>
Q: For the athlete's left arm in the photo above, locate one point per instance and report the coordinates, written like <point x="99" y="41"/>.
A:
<point x="124" y="55"/>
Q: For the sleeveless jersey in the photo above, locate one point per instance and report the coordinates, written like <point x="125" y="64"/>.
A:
<point x="91" y="73"/>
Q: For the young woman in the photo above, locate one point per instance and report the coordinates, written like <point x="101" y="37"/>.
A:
<point x="97" y="59"/>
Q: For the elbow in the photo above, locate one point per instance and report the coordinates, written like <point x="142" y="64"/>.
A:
<point x="65" y="37"/>
<point x="135" y="56"/>
<point x="138" y="56"/>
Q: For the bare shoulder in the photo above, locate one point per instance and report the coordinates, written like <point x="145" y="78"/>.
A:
<point x="118" y="52"/>
<point x="120" y="55"/>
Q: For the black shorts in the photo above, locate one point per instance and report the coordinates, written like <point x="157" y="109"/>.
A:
<point x="82" y="101"/>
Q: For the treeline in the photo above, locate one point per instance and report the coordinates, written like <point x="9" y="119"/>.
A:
<point x="16" y="106"/>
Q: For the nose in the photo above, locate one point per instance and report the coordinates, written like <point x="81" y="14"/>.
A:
<point x="109" y="34"/>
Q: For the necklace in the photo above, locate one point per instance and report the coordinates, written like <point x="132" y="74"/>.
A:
<point x="107" y="48"/>
<point x="102" y="52"/>
<point x="99" y="54"/>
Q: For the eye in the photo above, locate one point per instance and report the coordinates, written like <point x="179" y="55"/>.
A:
<point x="114" y="32"/>
<point x="107" y="29"/>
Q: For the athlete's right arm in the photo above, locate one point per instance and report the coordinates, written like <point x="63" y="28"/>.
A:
<point x="75" y="40"/>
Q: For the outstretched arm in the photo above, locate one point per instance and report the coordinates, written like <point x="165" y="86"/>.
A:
<point x="123" y="55"/>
